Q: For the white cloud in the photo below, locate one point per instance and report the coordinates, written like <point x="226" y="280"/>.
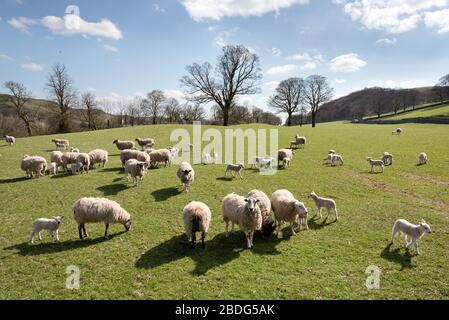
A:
<point x="32" y="66"/>
<point x="439" y="19"/>
<point x="405" y="84"/>
<point x="223" y="37"/>
<point x="392" y="41"/>
<point x="5" y="57"/>
<point x="392" y="16"/>
<point x="347" y="63"/>
<point x="310" y="61"/>
<point x="177" y="94"/>
<point x="110" y="48"/>
<point x="310" y="65"/>
<point x="276" y="52"/>
<point x="22" y="23"/>
<point x="340" y="81"/>
<point x="200" y="10"/>
<point x="285" y="69"/>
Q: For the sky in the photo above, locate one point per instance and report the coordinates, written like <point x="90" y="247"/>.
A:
<point x="120" y="49"/>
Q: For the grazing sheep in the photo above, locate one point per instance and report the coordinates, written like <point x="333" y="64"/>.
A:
<point x="284" y="153"/>
<point x="61" y="143"/>
<point x="376" y="163"/>
<point x="68" y="158"/>
<point x="52" y="225"/>
<point x="387" y="158"/>
<point x="53" y="168"/>
<point x="299" y="142"/>
<point x="56" y="157"/>
<point x="244" y="212"/>
<point x="126" y="155"/>
<point x="324" y="203"/>
<point x="411" y="230"/>
<point x="145" y="142"/>
<point x="94" y="210"/>
<point x="336" y="159"/>
<point x="98" y="156"/>
<point x="173" y="152"/>
<point x="82" y="162"/>
<point x="75" y="150"/>
<point x="33" y="165"/>
<point x="234" y="168"/>
<point x="10" y="140"/>
<point x="186" y="174"/>
<point x="398" y="131"/>
<point x="287" y="209"/>
<point x="423" y="158"/>
<point x="268" y="223"/>
<point x="136" y="169"/>
<point x="332" y="151"/>
<point x="286" y="162"/>
<point x="124" y="145"/>
<point x="196" y="216"/>
<point x="161" y="155"/>
<point x="60" y="146"/>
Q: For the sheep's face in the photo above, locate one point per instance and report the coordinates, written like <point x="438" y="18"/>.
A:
<point x="58" y="219"/>
<point x="241" y="165"/>
<point x="301" y="208"/>
<point x="115" y="142"/>
<point x="426" y="227"/>
<point x="312" y="195"/>
<point x="127" y="225"/>
<point x="369" y="159"/>
<point x="187" y="173"/>
<point x="251" y="204"/>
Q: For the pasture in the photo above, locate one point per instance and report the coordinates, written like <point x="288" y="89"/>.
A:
<point x="154" y="259"/>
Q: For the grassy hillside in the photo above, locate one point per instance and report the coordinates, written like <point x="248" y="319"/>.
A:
<point x="433" y="112"/>
<point x="154" y="261"/>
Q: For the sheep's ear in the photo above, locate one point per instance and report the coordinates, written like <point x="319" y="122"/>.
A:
<point x="423" y="221"/>
<point x="257" y="200"/>
<point x="246" y="200"/>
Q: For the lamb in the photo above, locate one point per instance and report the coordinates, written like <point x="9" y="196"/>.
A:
<point x="423" y="158"/>
<point x="10" y="140"/>
<point x="376" y="163"/>
<point x="52" y="225"/>
<point x="324" y="203"/>
<point x="186" y="174"/>
<point x="68" y="158"/>
<point x="332" y="151"/>
<point x="387" y="158"/>
<point x="98" y="156"/>
<point x="208" y="158"/>
<point x="411" y="230"/>
<point x="286" y="162"/>
<point x="266" y="163"/>
<point x="135" y="169"/>
<point x="60" y="146"/>
<point x="53" y="168"/>
<point x="173" y="152"/>
<point x="82" y="162"/>
<point x="268" y="223"/>
<point x="242" y="211"/>
<point x="284" y="153"/>
<point x="145" y="142"/>
<point x="94" y="210"/>
<point x="161" y="155"/>
<point x="337" y="159"/>
<point x="196" y="217"/>
<point x="287" y="208"/>
<point x="61" y="143"/>
<point x="75" y="150"/>
<point x="126" y="155"/>
<point x="124" y="145"/>
<point x="234" y="168"/>
<point x="33" y="165"/>
<point x="398" y="131"/>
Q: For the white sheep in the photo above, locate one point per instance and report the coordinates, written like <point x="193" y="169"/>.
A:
<point x="82" y="163"/>
<point x="145" y="142"/>
<point x="234" y="169"/>
<point x="68" y="158"/>
<point x="332" y="151"/>
<point x="52" y="225"/>
<point x="124" y="145"/>
<point x="53" y="168"/>
<point x="126" y="155"/>
<point x="387" y="158"/>
<point x="10" y="140"/>
<point x="244" y="212"/>
<point x="135" y="169"/>
<point x="284" y="153"/>
<point x="61" y="143"/>
<point x="196" y="217"/>
<point x="267" y="163"/>
<point x="160" y="156"/>
<point x="95" y="210"/>
<point x="327" y="203"/>
<point x="298" y="142"/>
<point x="423" y="158"/>
<point x="33" y="165"/>
<point x="56" y="156"/>
<point x="75" y="150"/>
<point x="376" y="163"/>
<point x="410" y="230"/>
<point x="186" y="174"/>
<point x="286" y="162"/>
<point x="287" y="209"/>
<point x="206" y="158"/>
<point x="337" y="159"/>
<point x="98" y="156"/>
<point x="264" y="203"/>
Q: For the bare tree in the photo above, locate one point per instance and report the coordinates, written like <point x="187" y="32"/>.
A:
<point x="443" y="88"/>
<point x="60" y="86"/>
<point x="90" y="112"/>
<point x="317" y="91"/>
<point x="173" y="110"/>
<point x="154" y="104"/>
<point x="288" y="97"/>
<point x="193" y="112"/>
<point x="20" y="96"/>
<point x="237" y="73"/>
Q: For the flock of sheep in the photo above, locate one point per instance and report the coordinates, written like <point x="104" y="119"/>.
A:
<point x="251" y="213"/>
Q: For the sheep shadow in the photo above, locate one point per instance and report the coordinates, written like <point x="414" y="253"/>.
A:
<point x="227" y="179"/>
<point x="315" y="225"/>
<point x="25" y="249"/>
<point x="165" y="194"/>
<point x="113" y="189"/>
<point x="219" y="251"/>
<point x="112" y="170"/>
<point x="62" y="175"/>
<point x="14" y="180"/>
<point x="395" y="256"/>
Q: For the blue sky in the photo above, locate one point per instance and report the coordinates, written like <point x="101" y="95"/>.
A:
<point x="128" y="48"/>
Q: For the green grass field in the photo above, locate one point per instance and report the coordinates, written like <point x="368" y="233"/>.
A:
<point x="440" y="111"/>
<point x="154" y="260"/>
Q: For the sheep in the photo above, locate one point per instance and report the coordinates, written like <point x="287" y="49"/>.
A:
<point x="173" y="152"/>
<point x="61" y="143"/>
<point x="56" y="157"/>
<point x="124" y="145"/>
<point x="68" y="158"/>
<point x="376" y="163"/>
<point x="268" y="223"/>
<point x="135" y="169"/>
<point x="408" y="229"/>
<point x="398" y="131"/>
<point x="145" y="142"/>
<point x="332" y="151"/>
<point x="98" y="156"/>
<point x="336" y="159"/>
<point x="206" y="158"/>
<point x="52" y="225"/>
<point x="53" y="168"/>
<point x="266" y="163"/>
<point x="284" y="153"/>
<point x="387" y="158"/>
<point x="94" y="210"/>
<point x="161" y="155"/>
<point x="196" y="217"/>
<point x="186" y="174"/>
<point x="82" y="163"/>
<point x="75" y="150"/>
<point x="234" y="168"/>
<point x="60" y="146"/>
<point x="210" y="158"/>
<point x="286" y="162"/>
<point x="244" y="212"/>
<point x="255" y="161"/>
<point x="10" y="140"/>
<point x="33" y="165"/>
<point x="324" y="203"/>
<point x="126" y="155"/>
<point x="298" y="142"/>
<point x="287" y="208"/>
<point x="214" y="158"/>
<point x="423" y="158"/>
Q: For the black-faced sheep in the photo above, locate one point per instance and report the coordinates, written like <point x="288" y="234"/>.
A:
<point x="196" y="217"/>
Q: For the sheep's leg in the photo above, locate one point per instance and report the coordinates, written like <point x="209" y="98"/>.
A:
<point x="106" y="236"/>
<point x="278" y="227"/>
<point x="203" y="237"/>
<point x="319" y="212"/>
<point x="33" y="233"/>
<point x="226" y="172"/>
<point x="415" y="242"/>
<point x="292" y="228"/>
<point x="407" y="244"/>
<point x="328" y="209"/>
<point x="227" y="229"/>
<point x="336" y="213"/>
<point x="57" y="235"/>
<point x="306" y="223"/>
<point x="84" y="231"/>
<point x="40" y="235"/>
<point x="232" y="227"/>
<point x="193" y="240"/>
<point x="80" y="227"/>
<point x="248" y="241"/>
<point x="252" y="238"/>
<point x="240" y="175"/>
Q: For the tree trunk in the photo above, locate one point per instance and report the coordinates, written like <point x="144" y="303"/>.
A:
<point x="28" y="128"/>
<point x="154" y="120"/>
<point x="289" y="120"/>
<point x="313" y="119"/>
<point x="225" y="117"/>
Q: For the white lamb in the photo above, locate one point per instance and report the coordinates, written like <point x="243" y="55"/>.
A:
<point x="206" y="158"/>
<point x="234" y="169"/>
<point x="387" y="158"/>
<point x="376" y="163"/>
<point x="196" y="217"/>
<point x="52" y="225"/>
<point x="10" y="140"/>
<point x="61" y="143"/>
<point x="56" y="156"/>
<point x="244" y="212"/>
<point x="141" y="156"/>
<point x="287" y="209"/>
<point x="284" y="153"/>
<point x="410" y="230"/>
<point x="186" y="174"/>
<point x="327" y="203"/>
<point x="337" y="159"/>
<point x="94" y="210"/>
<point x="135" y="169"/>
<point x="423" y="158"/>
<point x="286" y="162"/>
<point x="53" y="168"/>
